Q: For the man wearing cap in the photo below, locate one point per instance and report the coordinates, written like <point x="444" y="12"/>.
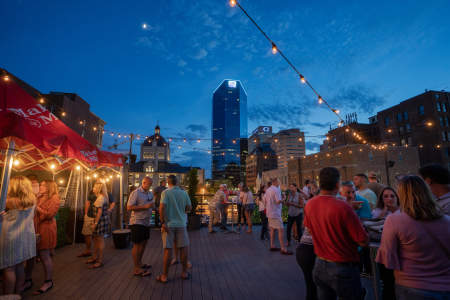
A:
<point x="374" y="185"/>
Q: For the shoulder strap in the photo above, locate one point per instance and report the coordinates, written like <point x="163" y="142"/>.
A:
<point x="438" y="242"/>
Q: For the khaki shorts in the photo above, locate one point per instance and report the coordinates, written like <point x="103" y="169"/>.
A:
<point x="87" y="225"/>
<point x="176" y="237"/>
<point x="275" y="223"/>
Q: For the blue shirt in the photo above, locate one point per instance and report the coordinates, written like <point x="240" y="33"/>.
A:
<point x="140" y="197"/>
<point x="175" y="201"/>
<point x="364" y="212"/>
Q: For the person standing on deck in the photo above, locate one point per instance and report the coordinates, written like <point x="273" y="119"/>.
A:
<point x="175" y="204"/>
<point x="140" y="204"/>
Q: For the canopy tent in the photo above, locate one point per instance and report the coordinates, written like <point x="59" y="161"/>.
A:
<point x="31" y="137"/>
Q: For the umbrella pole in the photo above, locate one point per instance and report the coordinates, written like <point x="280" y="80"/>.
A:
<point x="76" y="207"/>
<point x="121" y="197"/>
<point x="6" y="174"/>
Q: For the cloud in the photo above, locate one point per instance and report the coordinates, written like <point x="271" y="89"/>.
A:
<point x="320" y="125"/>
<point x="286" y="115"/>
<point x="201" y="129"/>
<point x="357" y="98"/>
<point x="200" y="159"/>
<point x="201" y="53"/>
<point x="312" y="146"/>
<point x="212" y="44"/>
<point x="182" y="63"/>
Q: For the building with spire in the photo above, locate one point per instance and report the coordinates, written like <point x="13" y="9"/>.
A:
<point x="155" y="162"/>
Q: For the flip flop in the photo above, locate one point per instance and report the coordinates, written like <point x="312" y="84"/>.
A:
<point x="145" y="266"/>
<point x="41" y="291"/>
<point x="91" y="261"/>
<point x="275" y="249"/>
<point x="26" y="286"/>
<point x="143" y="274"/>
<point x="96" y="266"/>
<point x="159" y="279"/>
<point x="84" y="255"/>
<point x="187" y="277"/>
<point x="286" y="252"/>
<point x="174" y="262"/>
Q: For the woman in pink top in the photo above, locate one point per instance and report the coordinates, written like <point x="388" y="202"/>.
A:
<point x="416" y="244"/>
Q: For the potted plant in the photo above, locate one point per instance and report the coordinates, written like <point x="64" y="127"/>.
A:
<point x="194" y="220"/>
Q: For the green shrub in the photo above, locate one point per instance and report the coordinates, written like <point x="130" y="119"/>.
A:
<point x="62" y="218"/>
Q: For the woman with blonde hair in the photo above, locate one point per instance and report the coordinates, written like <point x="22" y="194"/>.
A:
<point x="416" y="244"/>
<point x="100" y="226"/>
<point x="17" y="236"/>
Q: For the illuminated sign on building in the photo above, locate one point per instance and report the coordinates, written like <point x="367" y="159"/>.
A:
<point x="232" y="83"/>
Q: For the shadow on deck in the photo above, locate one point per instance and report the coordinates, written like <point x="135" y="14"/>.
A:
<point x="225" y="266"/>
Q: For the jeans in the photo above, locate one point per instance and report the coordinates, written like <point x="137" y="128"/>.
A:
<point x="387" y="277"/>
<point x="407" y="293"/>
<point x="223" y="215"/>
<point x="337" y="280"/>
<point x="264" y="230"/>
<point x="241" y="215"/>
<point x="298" y="222"/>
<point x="305" y="259"/>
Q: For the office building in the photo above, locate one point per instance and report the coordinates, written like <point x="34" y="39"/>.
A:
<point x="229" y="131"/>
<point x="288" y="144"/>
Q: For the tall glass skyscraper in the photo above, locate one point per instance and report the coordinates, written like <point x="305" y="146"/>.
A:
<point x="229" y="131"/>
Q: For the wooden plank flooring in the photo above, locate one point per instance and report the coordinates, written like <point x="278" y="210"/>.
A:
<point x="225" y="266"/>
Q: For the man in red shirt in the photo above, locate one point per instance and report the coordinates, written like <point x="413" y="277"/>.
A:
<point x="337" y="233"/>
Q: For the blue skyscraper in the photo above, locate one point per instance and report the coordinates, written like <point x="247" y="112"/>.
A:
<point x="229" y="131"/>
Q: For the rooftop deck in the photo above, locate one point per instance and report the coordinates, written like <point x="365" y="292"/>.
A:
<point x="225" y="266"/>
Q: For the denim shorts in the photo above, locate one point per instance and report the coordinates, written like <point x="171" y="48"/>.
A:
<point x="250" y="207"/>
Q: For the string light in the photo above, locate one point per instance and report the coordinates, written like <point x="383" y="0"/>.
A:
<point x="41" y="100"/>
<point x="16" y="162"/>
<point x="184" y="140"/>
<point x="63" y="114"/>
<point x="6" y="78"/>
<point x="274" y="48"/>
<point x="198" y="141"/>
<point x="87" y="177"/>
<point x="144" y="26"/>
<point x="429" y="124"/>
<point x="61" y="181"/>
<point x="320" y="100"/>
<point x="95" y="175"/>
<point x="232" y="3"/>
<point x="78" y="168"/>
<point x="95" y="128"/>
<point x="52" y="166"/>
<point x="302" y="79"/>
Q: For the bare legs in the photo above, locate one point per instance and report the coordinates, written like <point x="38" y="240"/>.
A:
<point x="168" y="257"/>
<point x="138" y="252"/>
<point x="13" y="279"/>
<point x="280" y="238"/>
<point x="88" y="242"/>
<point x="249" y="220"/>
<point x="99" y="246"/>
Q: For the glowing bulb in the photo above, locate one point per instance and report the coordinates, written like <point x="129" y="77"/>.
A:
<point x="119" y="136"/>
<point x="110" y="176"/>
<point x="41" y="100"/>
<point x="232" y="3"/>
<point x="107" y="179"/>
<point x="429" y="124"/>
<point x="63" y="114"/>
<point x="184" y="140"/>
<point x="389" y="130"/>
<point x="52" y="166"/>
<point x="234" y="141"/>
<point x="144" y="26"/>
<point x="78" y="168"/>
<point x="216" y="141"/>
<point x="112" y="134"/>
<point x="275" y="140"/>
<point x="274" y="49"/>
<point x="347" y="130"/>
<point x="170" y="139"/>
<point x="300" y="139"/>
<point x="16" y="162"/>
<point x="61" y="181"/>
<point x="95" y="175"/>
<point x="118" y="175"/>
<point x="6" y="78"/>
<point x="320" y="100"/>
<point x="302" y="79"/>
<point x="198" y="141"/>
<point x="95" y="128"/>
<point x="81" y="122"/>
<point x="336" y="111"/>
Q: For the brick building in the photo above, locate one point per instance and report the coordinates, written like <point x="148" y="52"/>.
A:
<point x="261" y="159"/>
<point x="421" y="121"/>
<point x="288" y="144"/>
<point x="353" y="159"/>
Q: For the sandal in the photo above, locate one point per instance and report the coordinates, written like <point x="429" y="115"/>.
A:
<point x="84" y="254"/>
<point x="91" y="261"/>
<point x="174" y="262"/>
<point x="286" y="252"/>
<point x="26" y="287"/>
<point x="96" y="265"/>
<point x="159" y="279"/>
<point x="41" y="291"/>
<point x="143" y="273"/>
<point x="145" y="266"/>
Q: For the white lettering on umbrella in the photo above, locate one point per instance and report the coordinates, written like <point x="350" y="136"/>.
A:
<point x="48" y="119"/>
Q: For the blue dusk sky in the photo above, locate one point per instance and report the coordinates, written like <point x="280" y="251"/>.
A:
<point x="362" y="56"/>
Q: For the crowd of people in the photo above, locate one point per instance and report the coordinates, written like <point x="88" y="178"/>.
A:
<point x="328" y="223"/>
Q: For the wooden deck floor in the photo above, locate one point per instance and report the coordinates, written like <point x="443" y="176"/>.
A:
<point x="225" y="266"/>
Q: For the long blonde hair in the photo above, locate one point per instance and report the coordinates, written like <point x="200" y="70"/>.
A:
<point x="20" y="188"/>
<point x="416" y="199"/>
<point x="100" y="188"/>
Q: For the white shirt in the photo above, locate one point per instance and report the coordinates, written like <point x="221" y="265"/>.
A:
<point x="248" y="198"/>
<point x="306" y="190"/>
<point x="261" y="203"/>
<point x="273" y="194"/>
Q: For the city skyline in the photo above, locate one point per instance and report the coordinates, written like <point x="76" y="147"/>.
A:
<point x="378" y="55"/>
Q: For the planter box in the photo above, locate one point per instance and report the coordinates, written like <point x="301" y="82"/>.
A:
<point x="194" y="222"/>
<point x="121" y="238"/>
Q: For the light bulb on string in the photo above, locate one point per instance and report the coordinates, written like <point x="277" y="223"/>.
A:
<point x="6" y="78"/>
<point x="302" y="79"/>
<point x="232" y="3"/>
<point x="41" y="100"/>
<point x="144" y="26"/>
<point x="52" y="166"/>
<point x="320" y="100"/>
<point x="184" y="140"/>
<point x="274" y="48"/>
<point x="78" y="168"/>
<point x="16" y="162"/>
<point x="63" y="114"/>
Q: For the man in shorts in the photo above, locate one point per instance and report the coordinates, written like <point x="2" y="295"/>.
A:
<point x="274" y="204"/>
<point x="175" y="204"/>
<point x="140" y="204"/>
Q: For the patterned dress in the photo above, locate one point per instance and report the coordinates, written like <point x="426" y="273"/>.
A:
<point x="17" y="237"/>
<point x="45" y="222"/>
<point x="103" y="225"/>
